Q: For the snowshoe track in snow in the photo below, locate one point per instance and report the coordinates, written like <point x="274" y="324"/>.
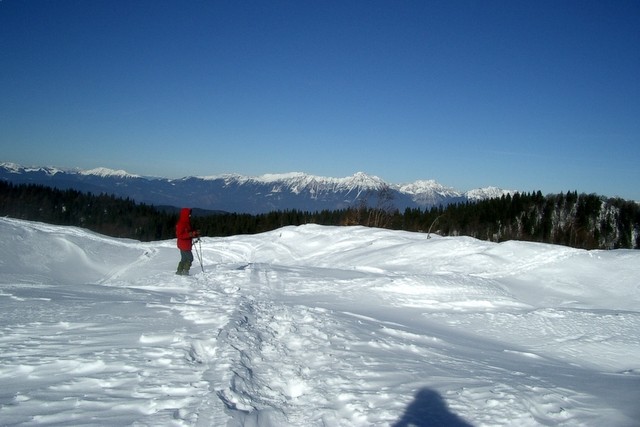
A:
<point x="317" y="326"/>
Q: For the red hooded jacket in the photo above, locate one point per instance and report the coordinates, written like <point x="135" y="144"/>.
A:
<point x="184" y="233"/>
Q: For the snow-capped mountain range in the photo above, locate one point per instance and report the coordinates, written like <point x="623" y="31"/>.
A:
<point x="244" y="194"/>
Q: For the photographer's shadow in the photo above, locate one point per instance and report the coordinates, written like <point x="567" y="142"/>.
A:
<point x="428" y="409"/>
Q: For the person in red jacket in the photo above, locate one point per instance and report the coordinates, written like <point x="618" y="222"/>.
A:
<point x="185" y="235"/>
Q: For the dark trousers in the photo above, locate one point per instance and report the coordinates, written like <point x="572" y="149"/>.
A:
<point x="186" y="258"/>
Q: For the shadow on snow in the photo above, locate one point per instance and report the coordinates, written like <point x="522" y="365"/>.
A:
<point x="429" y="409"/>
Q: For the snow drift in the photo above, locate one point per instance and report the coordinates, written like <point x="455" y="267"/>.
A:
<point x="311" y="325"/>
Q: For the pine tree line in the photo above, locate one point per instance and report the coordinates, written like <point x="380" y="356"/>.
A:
<point x="572" y="219"/>
<point x="585" y="221"/>
<point x="105" y="214"/>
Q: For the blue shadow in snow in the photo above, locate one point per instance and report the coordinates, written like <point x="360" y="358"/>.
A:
<point x="429" y="409"/>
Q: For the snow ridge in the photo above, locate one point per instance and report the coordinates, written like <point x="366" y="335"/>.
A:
<point x="428" y="186"/>
<point x="250" y="194"/>
<point x="108" y="173"/>
<point x="51" y="171"/>
<point x="487" y="193"/>
<point x="298" y="182"/>
<point x="19" y="169"/>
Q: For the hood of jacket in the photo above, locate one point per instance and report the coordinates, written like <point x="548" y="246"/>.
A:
<point x="185" y="213"/>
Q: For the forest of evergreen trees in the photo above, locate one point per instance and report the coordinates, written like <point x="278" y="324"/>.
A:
<point x="572" y="219"/>
<point x="105" y="214"/>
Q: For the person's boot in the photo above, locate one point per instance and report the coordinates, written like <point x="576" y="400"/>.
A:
<point x="180" y="271"/>
<point x="185" y="268"/>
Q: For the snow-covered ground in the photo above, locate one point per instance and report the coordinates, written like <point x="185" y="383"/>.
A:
<point x="315" y="326"/>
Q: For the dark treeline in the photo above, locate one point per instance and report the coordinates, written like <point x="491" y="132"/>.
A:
<point x="585" y="221"/>
<point x="572" y="219"/>
<point x="105" y="214"/>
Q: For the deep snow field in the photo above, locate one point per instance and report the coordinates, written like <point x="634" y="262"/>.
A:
<point x="315" y="326"/>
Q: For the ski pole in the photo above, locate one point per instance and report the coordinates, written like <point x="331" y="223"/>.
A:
<point x="199" y="253"/>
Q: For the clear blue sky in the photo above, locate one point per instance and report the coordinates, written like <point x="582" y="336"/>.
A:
<point x="525" y="95"/>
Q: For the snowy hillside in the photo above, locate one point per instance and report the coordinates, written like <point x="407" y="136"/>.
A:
<point x="298" y="182"/>
<point x="430" y="193"/>
<point x="237" y="193"/>
<point x="106" y="172"/>
<point x="486" y="193"/>
<point x="315" y="326"/>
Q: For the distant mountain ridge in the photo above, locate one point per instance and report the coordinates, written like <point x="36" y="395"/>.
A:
<point x="244" y="194"/>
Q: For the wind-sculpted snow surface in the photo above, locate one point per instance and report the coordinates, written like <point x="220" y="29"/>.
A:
<point x="315" y="326"/>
